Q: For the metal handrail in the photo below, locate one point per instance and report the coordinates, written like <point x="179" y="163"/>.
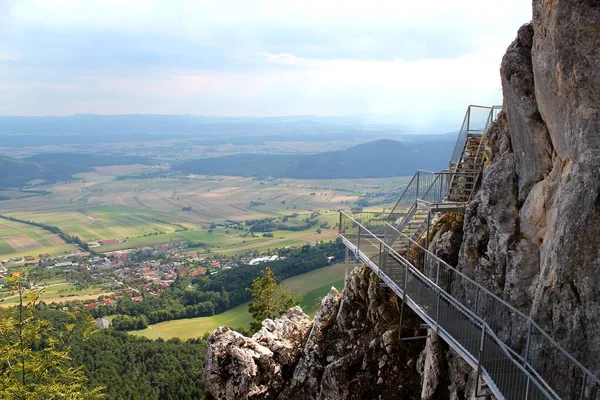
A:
<point x="512" y="309"/>
<point x="416" y="180"/>
<point x="466" y="130"/>
<point x="462" y="138"/>
<point x="433" y="179"/>
<point x="486" y="329"/>
<point x="415" y="176"/>
<point x="507" y="349"/>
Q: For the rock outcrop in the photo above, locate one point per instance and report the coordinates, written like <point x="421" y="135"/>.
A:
<point x="351" y="350"/>
<point x="238" y="367"/>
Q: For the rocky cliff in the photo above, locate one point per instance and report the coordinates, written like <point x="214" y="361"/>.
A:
<point x="531" y="235"/>
<point x="349" y="351"/>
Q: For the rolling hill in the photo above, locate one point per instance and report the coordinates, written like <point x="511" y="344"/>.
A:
<point x="16" y="172"/>
<point x="56" y="167"/>
<point x="89" y="160"/>
<point x="381" y="158"/>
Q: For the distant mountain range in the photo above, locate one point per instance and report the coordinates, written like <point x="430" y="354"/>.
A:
<point x="378" y="159"/>
<point x="88" y="129"/>
<point x="56" y="167"/>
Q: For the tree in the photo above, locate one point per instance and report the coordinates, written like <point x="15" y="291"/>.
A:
<point x="269" y="300"/>
<point x="34" y="355"/>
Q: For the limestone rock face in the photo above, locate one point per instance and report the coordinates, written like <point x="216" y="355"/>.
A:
<point x="349" y="351"/>
<point x="566" y="65"/>
<point x="531" y="144"/>
<point x="306" y="378"/>
<point x="494" y="251"/>
<point x="532" y="235"/>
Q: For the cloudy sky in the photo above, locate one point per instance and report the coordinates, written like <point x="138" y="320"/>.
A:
<point x="252" y="57"/>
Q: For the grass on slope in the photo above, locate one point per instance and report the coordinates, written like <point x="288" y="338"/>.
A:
<point x="315" y="285"/>
<point x="237" y="317"/>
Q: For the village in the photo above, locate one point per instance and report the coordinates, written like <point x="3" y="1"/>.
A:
<point x="124" y="274"/>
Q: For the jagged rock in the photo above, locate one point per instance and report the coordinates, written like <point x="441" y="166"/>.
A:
<point x="239" y="368"/>
<point x="462" y="378"/>
<point x="530" y="142"/>
<point x="307" y="375"/>
<point x="245" y="368"/>
<point x="434" y="368"/>
<point x="532" y="235"/>
<point x="566" y="65"/>
<point x="389" y="337"/>
<point x="290" y="358"/>
<point x="284" y="336"/>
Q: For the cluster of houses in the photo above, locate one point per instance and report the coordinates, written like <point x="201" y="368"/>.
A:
<point x="135" y="274"/>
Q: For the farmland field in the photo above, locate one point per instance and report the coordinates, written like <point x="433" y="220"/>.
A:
<point x="56" y="291"/>
<point x="314" y="285"/>
<point x="149" y="212"/>
<point x="19" y="240"/>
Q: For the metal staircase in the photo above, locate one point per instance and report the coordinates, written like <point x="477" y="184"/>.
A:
<point x="467" y="170"/>
<point x="449" y="190"/>
<point x="506" y="347"/>
<point x="414" y="223"/>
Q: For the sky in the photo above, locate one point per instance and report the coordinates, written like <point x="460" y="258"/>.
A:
<point x="253" y="57"/>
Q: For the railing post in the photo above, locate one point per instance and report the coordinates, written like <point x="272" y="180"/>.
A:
<point x="582" y="394"/>
<point x="380" y="258"/>
<point x="418" y="178"/>
<point x="404" y="299"/>
<point x="477" y="301"/>
<point x="340" y="224"/>
<point x="468" y="121"/>
<point x="346" y="256"/>
<point x="427" y="237"/>
<point x="479" y="357"/>
<point x="437" y="307"/>
<point x="358" y="240"/>
<point x="528" y="341"/>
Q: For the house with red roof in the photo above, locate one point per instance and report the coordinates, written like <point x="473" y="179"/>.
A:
<point x="198" y="272"/>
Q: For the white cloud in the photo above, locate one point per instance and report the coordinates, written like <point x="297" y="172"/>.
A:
<point x="260" y="57"/>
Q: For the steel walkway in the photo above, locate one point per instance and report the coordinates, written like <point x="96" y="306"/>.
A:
<point x="506" y="347"/>
<point x="466" y="326"/>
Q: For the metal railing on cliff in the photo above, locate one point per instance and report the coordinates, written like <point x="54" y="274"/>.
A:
<point x="508" y="349"/>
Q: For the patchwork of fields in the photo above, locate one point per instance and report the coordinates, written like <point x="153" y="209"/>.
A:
<point x="19" y="240"/>
<point x="148" y="212"/>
